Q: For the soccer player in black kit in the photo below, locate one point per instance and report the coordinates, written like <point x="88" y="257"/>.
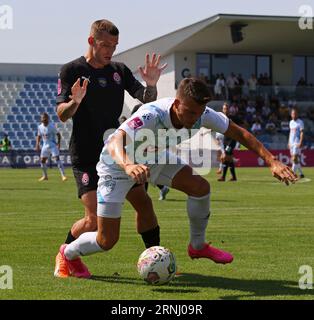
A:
<point x="229" y="145"/>
<point x="91" y="92"/>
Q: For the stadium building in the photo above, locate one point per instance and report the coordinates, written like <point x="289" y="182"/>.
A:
<point x="275" y="47"/>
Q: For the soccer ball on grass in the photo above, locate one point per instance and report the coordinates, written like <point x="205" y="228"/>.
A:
<point x="157" y="265"/>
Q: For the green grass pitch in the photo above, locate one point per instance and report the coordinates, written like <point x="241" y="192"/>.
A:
<point x="267" y="226"/>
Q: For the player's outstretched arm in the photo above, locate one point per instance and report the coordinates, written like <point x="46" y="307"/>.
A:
<point x="279" y="170"/>
<point x="116" y="148"/>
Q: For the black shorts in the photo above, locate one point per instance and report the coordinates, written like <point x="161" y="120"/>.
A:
<point x="86" y="179"/>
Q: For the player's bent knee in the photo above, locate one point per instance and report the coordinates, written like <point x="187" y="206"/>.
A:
<point x="200" y="188"/>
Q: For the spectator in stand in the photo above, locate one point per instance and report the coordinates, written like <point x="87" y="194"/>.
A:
<point x="252" y="84"/>
<point x="283" y="111"/>
<point x="284" y="125"/>
<point x="267" y="80"/>
<point x="256" y="127"/>
<point x="271" y="125"/>
<point x="220" y="87"/>
<point x="239" y="87"/>
<point x="260" y="80"/>
<point x="301" y="82"/>
<point x="232" y="82"/>
<point x="266" y="111"/>
<point x="251" y="108"/>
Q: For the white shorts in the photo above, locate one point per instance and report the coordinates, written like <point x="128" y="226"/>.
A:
<point x="114" y="184"/>
<point x="49" y="149"/>
<point x="295" y="151"/>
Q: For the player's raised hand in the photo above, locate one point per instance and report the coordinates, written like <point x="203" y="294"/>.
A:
<point x="282" y="172"/>
<point x="138" y="172"/>
<point x="152" y="71"/>
<point x="78" y="92"/>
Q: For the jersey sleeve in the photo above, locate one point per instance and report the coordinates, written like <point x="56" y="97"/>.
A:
<point x="141" y="119"/>
<point x="131" y="84"/>
<point x="38" y="131"/>
<point x="216" y="121"/>
<point x="65" y="82"/>
<point x="301" y="125"/>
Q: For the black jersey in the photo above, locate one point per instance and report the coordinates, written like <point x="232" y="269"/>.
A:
<point x="101" y="107"/>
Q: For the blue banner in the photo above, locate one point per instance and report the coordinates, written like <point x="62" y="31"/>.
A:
<point x="29" y="158"/>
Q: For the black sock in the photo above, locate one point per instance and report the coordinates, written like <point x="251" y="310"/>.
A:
<point x="69" y="238"/>
<point x="151" y="237"/>
<point x="224" y="173"/>
<point x="232" y="170"/>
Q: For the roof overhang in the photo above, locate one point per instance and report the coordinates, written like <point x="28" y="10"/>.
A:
<point x="262" y="35"/>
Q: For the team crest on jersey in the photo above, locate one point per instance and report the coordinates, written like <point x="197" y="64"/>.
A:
<point x="85" y="179"/>
<point x="147" y="116"/>
<point x="117" y="78"/>
<point x="102" y="82"/>
<point x="110" y="185"/>
<point x="135" y="123"/>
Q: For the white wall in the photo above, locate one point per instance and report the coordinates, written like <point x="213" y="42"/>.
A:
<point x="185" y="62"/>
<point x="282" y="68"/>
<point x="40" y="70"/>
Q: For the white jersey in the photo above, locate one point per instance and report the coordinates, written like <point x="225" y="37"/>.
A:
<point x="296" y="126"/>
<point x="156" y="116"/>
<point x="220" y="141"/>
<point x="48" y="134"/>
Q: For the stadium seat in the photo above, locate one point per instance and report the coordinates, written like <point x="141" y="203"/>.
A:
<point x="24" y="111"/>
<point x="7" y="128"/>
<point x="19" y="118"/>
<point x="28" y="102"/>
<point x="25" y="126"/>
<point x="29" y="118"/>
<point x="36" y="87"/>
<point x="23" y="95"/>
<point x="40" y="95"/>
<point x="10" y="118"/>
<point x="15" y="110"/>
<point x="27" y="87"/>
<point x="31" y="94"/>
<point x="36" y="103"/>
<point x="15" y="126"/>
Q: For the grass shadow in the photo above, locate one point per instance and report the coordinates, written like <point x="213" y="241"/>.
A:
<point x="251" y="288"/>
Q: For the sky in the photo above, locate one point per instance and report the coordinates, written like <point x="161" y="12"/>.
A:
<point x="56" y="31"/>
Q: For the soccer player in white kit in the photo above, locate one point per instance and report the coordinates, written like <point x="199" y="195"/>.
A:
<point x="118" y="170"/>
<point x="47" y="131"/>
<point x="295" y="141"/>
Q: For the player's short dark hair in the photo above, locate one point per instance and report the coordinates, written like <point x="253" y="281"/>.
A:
<point x="195" y="89"/>
<point x="45" y="114"/>
<point x="100" y="26"/>
<point x="136" y="107"/>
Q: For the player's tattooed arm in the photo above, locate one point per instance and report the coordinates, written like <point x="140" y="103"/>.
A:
<point x="147" y="94"/>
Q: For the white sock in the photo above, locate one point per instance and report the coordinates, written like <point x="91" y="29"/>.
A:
<point x="60" y="166"/>
<point x="221" y="165"/>
<point x="44" y="169"/>
<point x="198" y="212"/>
<point x="84" y="245"/>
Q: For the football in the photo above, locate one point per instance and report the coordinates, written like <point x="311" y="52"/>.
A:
<point x="157" y="265"/>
